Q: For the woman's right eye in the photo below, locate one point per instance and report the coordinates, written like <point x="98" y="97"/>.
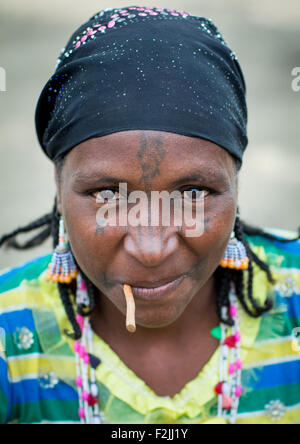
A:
<point x="106" y="195"/>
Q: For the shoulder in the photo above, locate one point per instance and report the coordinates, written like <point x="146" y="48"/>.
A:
<point x="11" y="278"/>
<point x="18" y="285"/>
<point x="271" y="368"/>
<point x="283" y="259"/>
<point x="30" y="312"/>
<point x="276" y="253"/>
<point x="19" y="291"/>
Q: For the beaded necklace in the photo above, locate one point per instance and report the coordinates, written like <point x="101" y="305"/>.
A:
<point x="228" y="388"/>
<point x="88" y="412"/>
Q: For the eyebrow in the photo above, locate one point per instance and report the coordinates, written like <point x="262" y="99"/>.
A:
<point x="210" y="179"/>
<point x="96" y="178"/>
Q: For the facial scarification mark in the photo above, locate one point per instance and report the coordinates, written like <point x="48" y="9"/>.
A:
<point x="150" y="154"/>
<point x="206" y="224"/>
<point x="108" y="284"/>
<point x="140" y="236"/>
<point x="162" y="230"/>
<point x="99" y="230"/>
<point x="194" y="273"/>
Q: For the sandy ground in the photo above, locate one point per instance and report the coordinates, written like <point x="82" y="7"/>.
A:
<point x="265" y="36"/>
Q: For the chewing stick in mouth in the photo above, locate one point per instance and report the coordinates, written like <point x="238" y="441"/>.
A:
<point x="130" y="308"/>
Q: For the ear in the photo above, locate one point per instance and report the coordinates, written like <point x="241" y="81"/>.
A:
<point x="58" y="191"/>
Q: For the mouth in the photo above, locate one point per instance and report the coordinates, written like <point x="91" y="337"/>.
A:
<point x="150" y="291"/>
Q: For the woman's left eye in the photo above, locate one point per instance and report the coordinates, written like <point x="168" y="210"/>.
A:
<point x="195" y="193"/>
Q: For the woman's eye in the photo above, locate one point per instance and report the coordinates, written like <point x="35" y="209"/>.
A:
<point x="110" y="194"/>
<point x="106" y="195"/>
<point x="195" y="193"/>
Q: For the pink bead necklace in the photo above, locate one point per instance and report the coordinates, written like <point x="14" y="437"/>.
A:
<point x="88" y="412"/>
<point x="228" y="389"/>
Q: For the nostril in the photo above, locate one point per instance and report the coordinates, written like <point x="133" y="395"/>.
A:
<point x="172" y="244"/>
<point x="150" y="250"/>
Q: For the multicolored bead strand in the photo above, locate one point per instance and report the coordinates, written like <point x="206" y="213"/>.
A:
<point x="78" y="381"/>
<point x="229" y="387"/>
<point x="84" y="361"/>
<point x="85" y="375"/>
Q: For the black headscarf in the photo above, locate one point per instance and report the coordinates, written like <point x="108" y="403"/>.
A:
<point x="144" y="68"/>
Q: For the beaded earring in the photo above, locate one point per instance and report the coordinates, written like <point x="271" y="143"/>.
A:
<point x="62" y="267"/>
<point x="235" y="254"/>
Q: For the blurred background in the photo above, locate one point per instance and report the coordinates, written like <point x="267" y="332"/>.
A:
<point x="265" y="36"/>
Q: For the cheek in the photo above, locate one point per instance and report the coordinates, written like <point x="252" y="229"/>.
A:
<point x="93" y="249"/>
<point x="219" y="218"/>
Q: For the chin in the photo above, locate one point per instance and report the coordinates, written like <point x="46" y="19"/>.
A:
<point x="158" y="320"/>
<point x="155" y="325"/>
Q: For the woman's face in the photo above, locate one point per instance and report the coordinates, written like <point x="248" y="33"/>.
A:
<point x="148" y="256"/>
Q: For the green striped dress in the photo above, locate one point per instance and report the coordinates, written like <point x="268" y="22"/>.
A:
<point x="37" y="363"/>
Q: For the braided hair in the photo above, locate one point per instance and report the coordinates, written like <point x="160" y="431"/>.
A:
<point x="224" y="276"/>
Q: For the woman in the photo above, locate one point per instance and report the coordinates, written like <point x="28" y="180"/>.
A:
<point x="152" y="98"/>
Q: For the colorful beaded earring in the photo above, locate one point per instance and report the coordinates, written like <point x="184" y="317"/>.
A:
<point x="235" y="254"/>
<point x="62" y="267"/>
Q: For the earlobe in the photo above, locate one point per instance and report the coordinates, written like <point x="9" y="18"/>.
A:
<point x="59" y="208"/>
<point x="58" y="204"/>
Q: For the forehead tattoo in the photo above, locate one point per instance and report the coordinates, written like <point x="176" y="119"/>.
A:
<point x="150" y="154"/>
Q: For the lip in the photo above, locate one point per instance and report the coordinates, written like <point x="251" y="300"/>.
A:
<point x="155" y="291"/>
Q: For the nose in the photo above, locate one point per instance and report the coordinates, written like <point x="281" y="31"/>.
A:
<point x="151" y="245"/>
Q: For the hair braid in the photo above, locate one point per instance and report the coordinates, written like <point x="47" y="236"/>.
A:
<point x="256" y="231"/>
<point x="239" y="232"/>
<point x="92" y="292"/>
<point x="223" y="279"/>
<point x="9" y="241"/>
<point x="238" y="279"/>
<point x="66" y="300"/>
